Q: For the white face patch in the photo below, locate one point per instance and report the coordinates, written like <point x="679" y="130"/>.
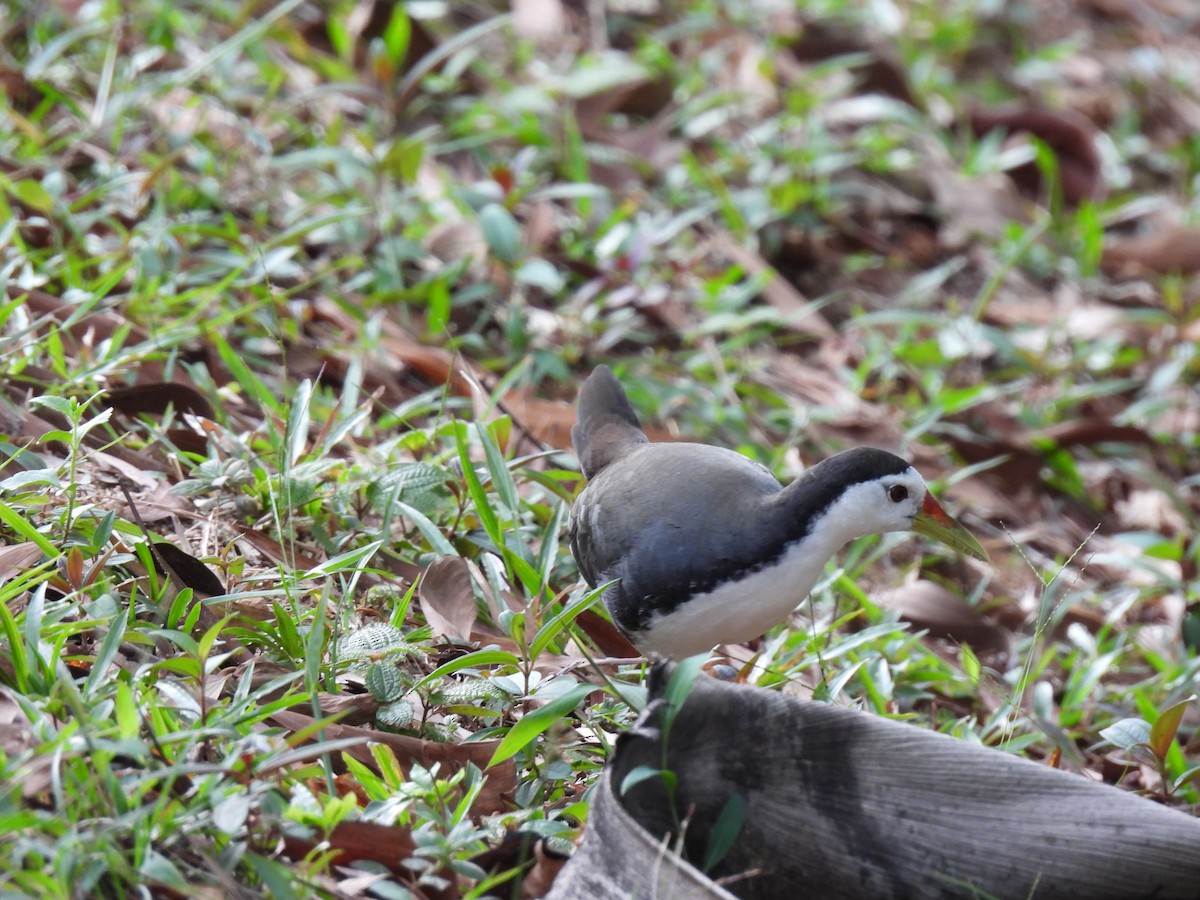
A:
<point x="741" y="610"/>
<point x="886" y="504"/>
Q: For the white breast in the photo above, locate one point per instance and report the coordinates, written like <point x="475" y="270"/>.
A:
<point x="742" y="610"/>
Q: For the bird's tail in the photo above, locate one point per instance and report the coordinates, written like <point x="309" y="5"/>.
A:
<point x="606" y="427"/>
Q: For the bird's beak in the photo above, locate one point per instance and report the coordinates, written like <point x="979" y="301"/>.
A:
<point x="934" y="522"/>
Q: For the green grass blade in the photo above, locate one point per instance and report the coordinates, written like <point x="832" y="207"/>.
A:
<point x="536" y="722"/>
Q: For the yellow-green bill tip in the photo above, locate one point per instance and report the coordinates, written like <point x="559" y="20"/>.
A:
<point x="934" y="522"/>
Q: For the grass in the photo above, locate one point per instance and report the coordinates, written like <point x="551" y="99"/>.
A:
<point x="287" y="306"/>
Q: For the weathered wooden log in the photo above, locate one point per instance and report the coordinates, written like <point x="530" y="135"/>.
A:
<point x="839" y="803"/>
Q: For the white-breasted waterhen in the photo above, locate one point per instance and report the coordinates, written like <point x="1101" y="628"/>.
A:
<point x="705" y="544"/>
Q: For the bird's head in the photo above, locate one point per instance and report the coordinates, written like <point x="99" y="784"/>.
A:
<point x="881" y="492"/>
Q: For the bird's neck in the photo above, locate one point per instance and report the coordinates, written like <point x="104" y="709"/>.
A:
<point x="817" y="510"/>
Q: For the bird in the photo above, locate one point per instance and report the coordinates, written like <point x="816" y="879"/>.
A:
<point x="703" y="545"/>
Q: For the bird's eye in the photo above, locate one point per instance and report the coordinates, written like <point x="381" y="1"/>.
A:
<point x="897" y="493"/>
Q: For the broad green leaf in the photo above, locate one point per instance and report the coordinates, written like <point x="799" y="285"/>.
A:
<point x="397" y="714"/>
<point x="536" y="722"/>
<point x="502" y="480"/>
<point x="548" y="553"/>
<point x="554" y="626"/>
<point x="128" y="720"/>
<point x="485" y="657"/>
<point x="1127" y="733"/>
<point x="15" y="649"/>
<point x="1187" y="777"/>
<point x="156" y="869"/>
<point x="26" y="529"/>
<point x="502" y="233"/>
<point x="529" y="576"/>
<point x="397" y="34"/>
<point x="18" y="480"/>
<point x="365" y="776"/>
<point x="437" y="541"/>
<point x="683" y="676"/>
<point x="459" y="692"/>
<point x="1162" y="732"/>
<point x="296" y="439"/>
<point x="725" y="831"/>
<point x="540" y="273"/>
<point x="288" y="634"/>
<point x="373" y="640"/>
<point x="838" y="684"/>
<point x="446" y="49"/>
<point x="636" y="776"/>
<point x="104" y="658"/>
<point x="604" y="73"/>
<point x="205" y="644"/>
<point x="479" y="497"/>
<point x="970" y="664"/>
<point x="275" y="876"/>
<point x="230" y="814"/>
<point x="250" y="383"/>
<point x="351" y="559"/>
<point x="384" y="681"/>
<point x="33" y="194"/>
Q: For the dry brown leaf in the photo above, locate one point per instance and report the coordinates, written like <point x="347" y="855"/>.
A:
<point x="18" y="558"/>
<point x="610" y="642"/>
<point x="16" y="732"/>
<point x="971" y="208"/>
<point x="324" y="359"/>
<point x="744" y="73"/>
<point x="1175" y="250"/>
<point x="1149" y="509"/>
<point x="292" y="557"/>
<point x="156" y="397"/>
<point x="883" y="73"/>
<point x="86" y="331"/>
<point x="447" y="598"/>
<point x="458" y="239"/>
<point x="189" y="570"/>
<point x="17" y="737"/>
<point x="156" y="504"/>
<point x="1136" y="12"/>
<point x="548" y="421"/>
<point x="644" y="145"/>
<point x="350" y="709"/>
<point x="123" y="471"/>
<point x="1088" y="432"/>
<point x="29" y="430"/>
<point x="930" y="607"/>
<point x="435" y="365"/>
<point x="996" y="433"/>
<point x="541" y="226"/>
<point x="354" y="841"/>
<point x="1069" y="134"/>
<point x="606" y="636"/>
<point x="819" y="388"/>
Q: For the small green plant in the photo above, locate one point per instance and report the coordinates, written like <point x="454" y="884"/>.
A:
<point x="679" y="685"/>
<point x="374" y="649"/>
<point x="1156" y="742"/>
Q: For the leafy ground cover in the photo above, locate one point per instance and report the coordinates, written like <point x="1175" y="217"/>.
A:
<point x="297" y="297"/>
